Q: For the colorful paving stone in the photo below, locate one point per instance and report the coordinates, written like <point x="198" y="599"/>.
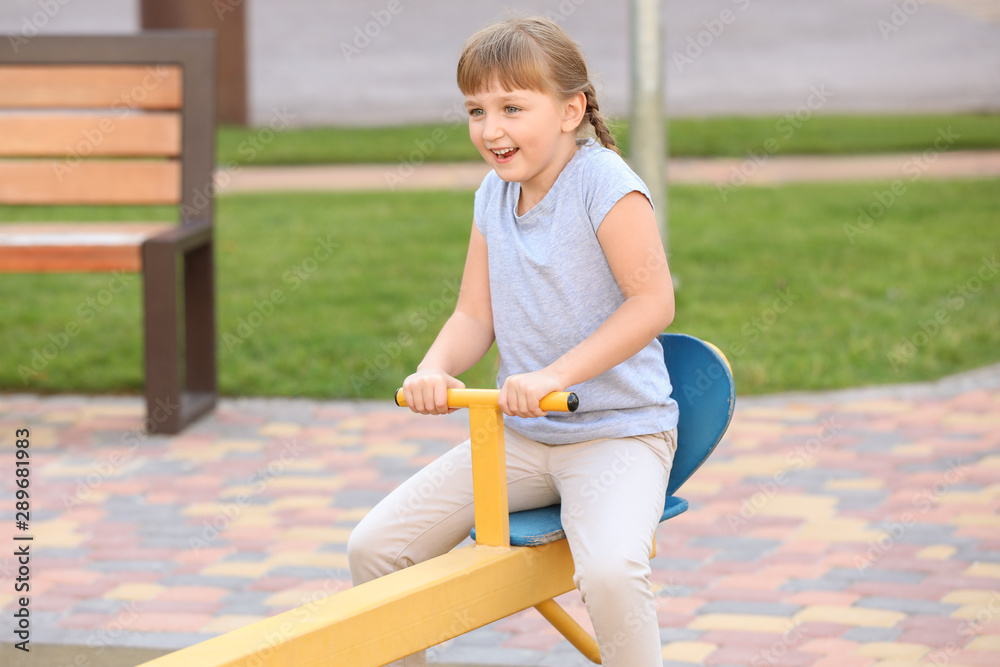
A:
<point x="842" y="529"/>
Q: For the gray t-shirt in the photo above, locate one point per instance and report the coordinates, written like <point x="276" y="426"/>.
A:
<point x="551" y="287"/>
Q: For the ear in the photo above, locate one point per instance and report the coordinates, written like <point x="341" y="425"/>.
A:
<point x="574" y="108"/>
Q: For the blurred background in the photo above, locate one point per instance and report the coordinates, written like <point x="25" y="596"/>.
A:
<point x="356" y="62"/>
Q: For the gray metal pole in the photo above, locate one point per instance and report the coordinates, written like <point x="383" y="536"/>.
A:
<point x="648" y="137"/>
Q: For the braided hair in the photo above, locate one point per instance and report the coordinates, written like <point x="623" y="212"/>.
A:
<point x="593" y="114"/>
<point x="531" y="54"/>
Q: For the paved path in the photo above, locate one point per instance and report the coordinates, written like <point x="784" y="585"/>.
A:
<point x="854" y="528"/>
<point x="755" y="169"/>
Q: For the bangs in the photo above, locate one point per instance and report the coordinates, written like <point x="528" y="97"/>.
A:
<point x="506" y="55"/>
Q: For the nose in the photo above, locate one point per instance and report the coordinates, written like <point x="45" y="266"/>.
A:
<point x="492" y="129"/>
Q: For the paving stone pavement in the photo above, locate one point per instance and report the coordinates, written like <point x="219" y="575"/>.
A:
<point x="843" y="528"/>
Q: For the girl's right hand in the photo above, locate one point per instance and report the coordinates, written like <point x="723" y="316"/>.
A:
<point x="426" y="391"/>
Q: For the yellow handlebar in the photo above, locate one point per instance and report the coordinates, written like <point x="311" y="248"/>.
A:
<point x="557" y="401"/>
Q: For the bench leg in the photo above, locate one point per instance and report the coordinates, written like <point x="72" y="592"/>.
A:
<point x="162" y="338"/>
<point x="176" y="393"/>
<point x="199" y="319"/>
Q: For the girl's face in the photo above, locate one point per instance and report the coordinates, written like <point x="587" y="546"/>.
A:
<point x="525" y="135"/>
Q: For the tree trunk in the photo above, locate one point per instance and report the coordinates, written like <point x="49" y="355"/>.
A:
<point x="227" y="18"/>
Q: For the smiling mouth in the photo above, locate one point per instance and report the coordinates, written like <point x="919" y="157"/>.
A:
<point x="504" y="154"/>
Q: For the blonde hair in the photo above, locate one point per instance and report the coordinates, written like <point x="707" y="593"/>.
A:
<point x="531" y="54"/>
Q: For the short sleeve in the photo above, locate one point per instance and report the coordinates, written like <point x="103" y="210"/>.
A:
<point x="484" y="196"/>
<point x="608" y="178"/>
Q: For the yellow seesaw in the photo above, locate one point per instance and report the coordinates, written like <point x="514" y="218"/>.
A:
<point x="519" y="561"/>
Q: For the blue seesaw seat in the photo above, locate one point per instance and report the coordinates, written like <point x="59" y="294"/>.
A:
<point x="705" y="394"/>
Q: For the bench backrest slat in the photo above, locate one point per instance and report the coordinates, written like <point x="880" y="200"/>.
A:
<point x="91" y="87"/>
<point x="117" y="123"/>
<point x="109" y="120"/>
<point x="91" y="182"/>
<point x="76" y="136"/>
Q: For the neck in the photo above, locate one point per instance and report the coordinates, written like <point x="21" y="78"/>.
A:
<point x="535" y="189"/>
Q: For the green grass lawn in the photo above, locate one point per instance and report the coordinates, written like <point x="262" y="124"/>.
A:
<point x="716" y="136"/>
<point x="338" y="295"/>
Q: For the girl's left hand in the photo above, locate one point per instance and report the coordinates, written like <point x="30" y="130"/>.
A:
<point x="520" y="394"/>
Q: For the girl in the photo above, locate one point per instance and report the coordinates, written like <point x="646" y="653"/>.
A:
<point x="566" y="272"/>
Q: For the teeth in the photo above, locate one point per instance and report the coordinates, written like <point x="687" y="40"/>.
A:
<point x="502" y="151"/>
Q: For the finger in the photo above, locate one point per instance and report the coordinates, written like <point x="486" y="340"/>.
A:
<point x="513" y="398"/>
<point x="426" y="398"/>
<point x="502" y="400"/>
<point x="539" y="412"/>
<point x="411" y="391"/>
<point x="441" y="399"/>
<point x="533" y="404"/>
<point x="523" y="405"/>
<point x="408" y="395"/>
<point x="455" y="384"/>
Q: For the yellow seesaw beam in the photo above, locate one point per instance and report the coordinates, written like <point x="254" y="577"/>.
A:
<point x="430" y="602"/>
<point x="396" y="615"/>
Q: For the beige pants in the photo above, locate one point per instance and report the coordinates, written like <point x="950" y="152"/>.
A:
<point x="612" y="494"/>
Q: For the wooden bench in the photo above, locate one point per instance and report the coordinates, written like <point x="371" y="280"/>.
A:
<point x="121" y="120"/>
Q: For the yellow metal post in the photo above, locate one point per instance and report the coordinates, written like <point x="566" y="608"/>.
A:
<point x="557" y="401"/>
<point x="489" y="476"/>
<point x="489" y="461"/>
<point x="570" y="629"/>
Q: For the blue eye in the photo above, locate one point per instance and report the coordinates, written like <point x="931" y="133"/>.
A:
<point x="475" y="112"/>
<point x="511" y="109"/>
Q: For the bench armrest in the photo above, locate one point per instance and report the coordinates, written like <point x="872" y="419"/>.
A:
<point x="184" y="237"/>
